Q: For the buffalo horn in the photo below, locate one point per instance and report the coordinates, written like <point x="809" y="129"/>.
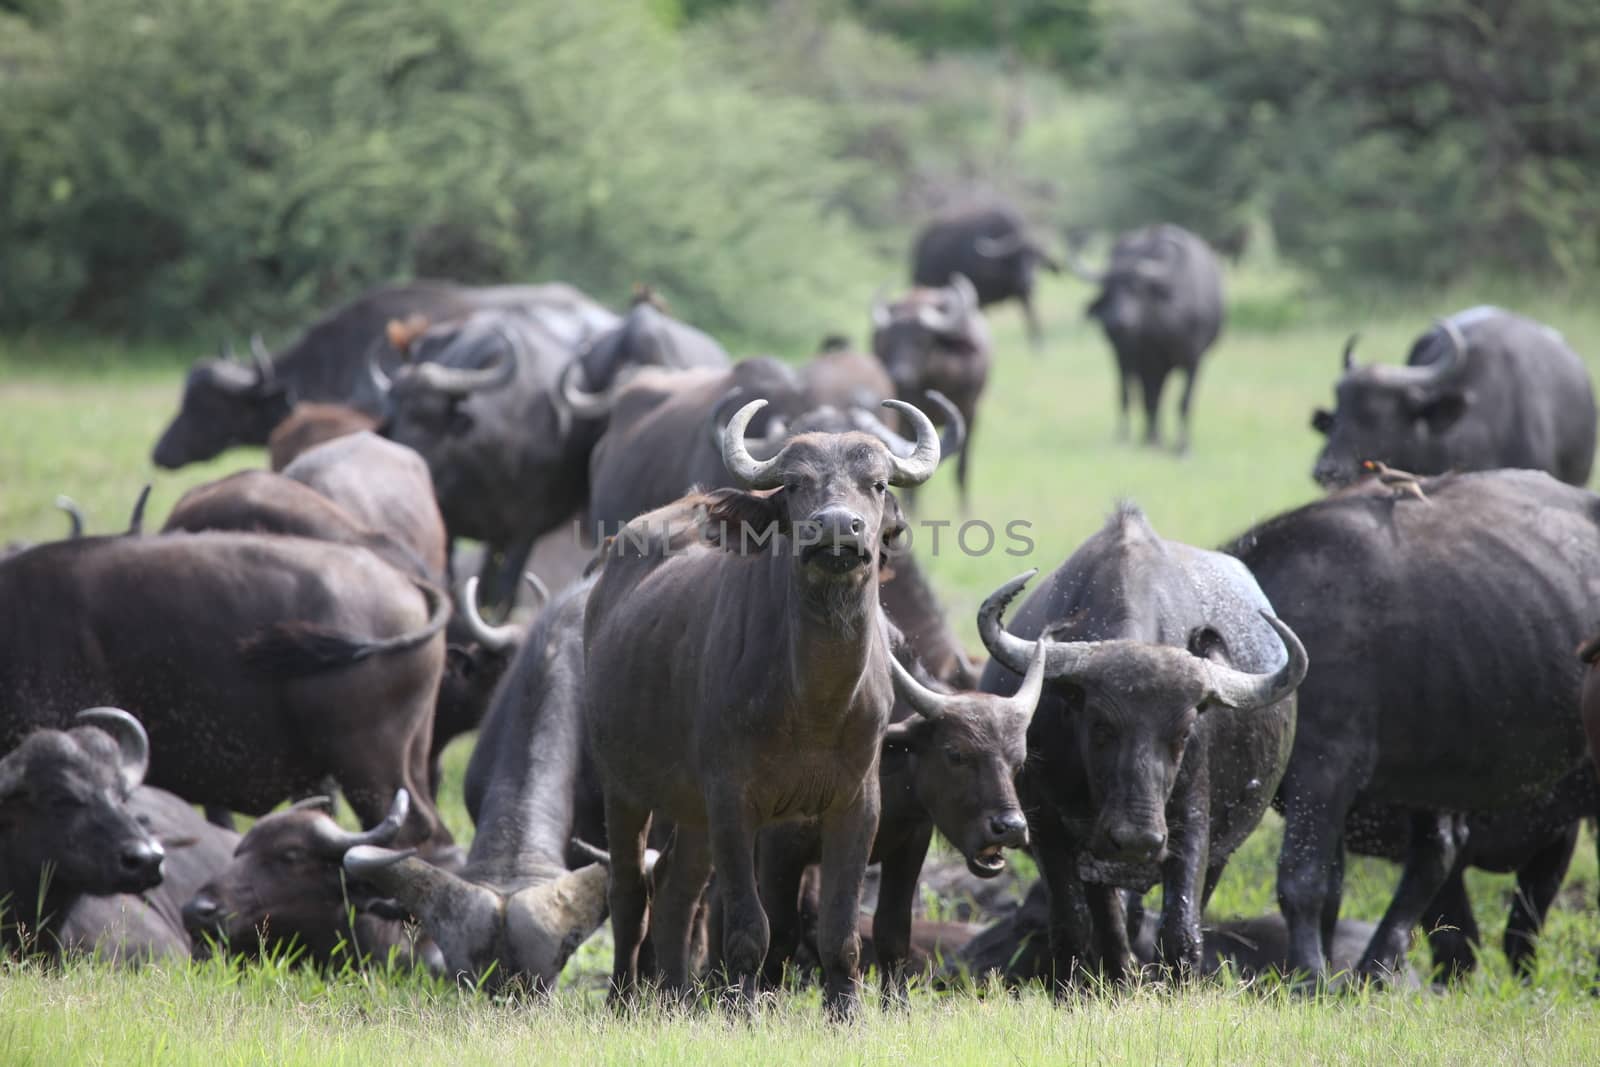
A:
<point x="74" y="515"/>
<point x="924" y="459"/>
<point x="337" y="840"/>
<point x="1237" y="689"/>
<point x="320" y="803"/>
<point x="754" y="473"/>
<point x="998" y="247"/>
<point x="1062" y="659"/>
<point x="262" y="359"/>
<point x="574" y="399"/>
<point x="540" y="591"/>
<point x="953" y="436"/>
<point x="136" y="520"/>
<point x="924" y="701"/>
<point x="458" y="381"/>
<point x="1350" y="352"/>
<point x="493" y="638"/>
<point x="132" y="742"/>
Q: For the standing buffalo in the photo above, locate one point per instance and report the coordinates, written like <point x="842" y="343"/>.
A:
<point x="1165" y="725"/>
<point x="226" y="403"/>
<point x="65" y="828"/>
<point x="1442" y="630"/>
<point x="1160" y="304"/>
<point x="767" y="665"/>
<point x="1483" y="389"/>
<point x="260" y="665"/>
<point x="992" y="248"/>
<point x="936" y="340"/>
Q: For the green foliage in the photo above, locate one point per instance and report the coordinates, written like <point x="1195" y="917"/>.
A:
<point x="179" y="160"/>
<point x="1392" y="139"/>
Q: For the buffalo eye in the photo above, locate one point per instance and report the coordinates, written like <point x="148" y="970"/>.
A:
<point x="293" y="855"/>
<point x="955" y="757"/>
<point x="1102" y="735"/>
<point x="880" y="487"/>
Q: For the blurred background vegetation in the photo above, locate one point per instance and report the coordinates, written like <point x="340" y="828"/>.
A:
<point x="173" y="167"/>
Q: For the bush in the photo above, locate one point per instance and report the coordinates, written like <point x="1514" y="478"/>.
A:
<point x="174" y="165"/>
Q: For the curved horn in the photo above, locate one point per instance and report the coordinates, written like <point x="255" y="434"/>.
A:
<point x="1458" y="348"/>
<point x="1436" y="374"/>
<point x="132" y="742"/>
<point x="336" y="840"/>
<point x="754" y="473"/>
<point x="955" y="426"/>
<point x="1063" y="659"/>
<point x="231" y="378"/>
<point x="535" y="583"/>
<point x="493" y="638"/>
<point x="966" y="293"/>
<point x="1349" y="359"/>
<point x="1025" y="701"/>
<point x="924" y="701"/>
<point x="595" y="854"/>
<point x="574" y="399"/>
<point x="951" y="438"/>
<point x="881" y="316"/>
<point x="1238" y="689"/>
<point x="456" y="381"/>
<point x="74" y="515"/>
<point x="136" y="520"/>
<point x="261" y="358"/>
<point x="997" y="247"/>
<point x="924" y="459"/>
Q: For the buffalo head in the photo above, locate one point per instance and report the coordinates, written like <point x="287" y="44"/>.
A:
<point x="225" y="403"/>
<point x="286" y="887"/>
<point x="64" y="824"/>
<point x="910" y="335"/>
<point x="1140" y="280"/>
<point x="966" y="750"/>
<point x="1133" y="707"/>
<point x="1400" y="415"/>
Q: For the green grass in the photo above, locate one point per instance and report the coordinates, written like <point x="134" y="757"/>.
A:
<point x="80" y="418"/>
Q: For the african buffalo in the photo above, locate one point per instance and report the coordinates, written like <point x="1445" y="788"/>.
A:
<point x="134" y="928"/>
<point x="309" y="425"/>
<point x="65" y="827"/>
<point x="936" y="339"/>
<point x="1483" y="389"/>
<point x="949" y="764"/>
<point x="506" y="436"/>
<point x="992" y="247"/>
<point x="514" y="912"/>
<point x="1428" y="620"/>
<point x="1160" y="304"/>
<point x="771" y="689"/>
<point x="1165" y="725"/>
<point x="226" y="403"/>
<point x="284" y="889"/>
<point x="260" y="665"/>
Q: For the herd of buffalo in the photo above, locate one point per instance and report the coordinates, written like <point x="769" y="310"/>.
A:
<point x="739" y="691"/>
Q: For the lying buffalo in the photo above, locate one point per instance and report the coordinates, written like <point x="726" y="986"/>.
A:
<point x="990" y="246"/>
<point x="284" y="890"/>
<point x="948" y="765"/>
<point x="66" y="829"/>
<point x="1504" y="562"/>
<point x="770" y="688"/>
<point x="936" y="340"/>
<point x="506" y="436"/>
<point x="227" y="403"/>
<point x="1160" y="304"/>
<point x="1165" y="725"/>
<point x="1483" y="389"/>
<point x="260" y="665"/>
<point x="135" y="928"/>
<point x="514" y="912"/>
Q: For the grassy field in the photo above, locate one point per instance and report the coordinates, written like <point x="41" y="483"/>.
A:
<point x="80" y="419"/>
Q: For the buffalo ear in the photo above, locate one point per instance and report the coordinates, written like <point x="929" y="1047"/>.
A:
<point x="460" y="422"/>
<point x="900" y="740"/>
<point x="1441" y="413"/>
<point x="1322" y="421"/>
<point x="739" y="509"/>
<point x="460" y="661"/>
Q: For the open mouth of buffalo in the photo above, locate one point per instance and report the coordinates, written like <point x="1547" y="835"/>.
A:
<point x="987" y="861"/>
<point x="837" y="557"/>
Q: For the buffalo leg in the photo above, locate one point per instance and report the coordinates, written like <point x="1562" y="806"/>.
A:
<point x="627" y="828"/>
<point x="1452" y="929"/>
<point x="1070" y="928"/>
<point x="963" y="458"/>
<point x="780" y="868"/>
<point x="1124" y="388"/>
<point x="1436" y="843"/>
<point x="501" y="575"/>
<point x="891" y="924"/>
<point x="675" y="905"/>
<point x="1310" y="865"/>
<point x="1108" y="912"/>
<point x="1179" y="945"/>
<point x="1152" y="382"/>
<point x="745" y="933"/>
<point x="1538" y="881"/>
<point x="1189" y="375"/>
<point x="847" y="834"/>
<point x="1031" y="318"/>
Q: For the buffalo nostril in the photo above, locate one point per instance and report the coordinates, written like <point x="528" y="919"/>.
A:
<point x="201" y="910"/>
<point x="855" y="526"/>
<point x="1009" y="826"/>
<point x="1135" y="841"/>
<point x="145" y="856"/>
